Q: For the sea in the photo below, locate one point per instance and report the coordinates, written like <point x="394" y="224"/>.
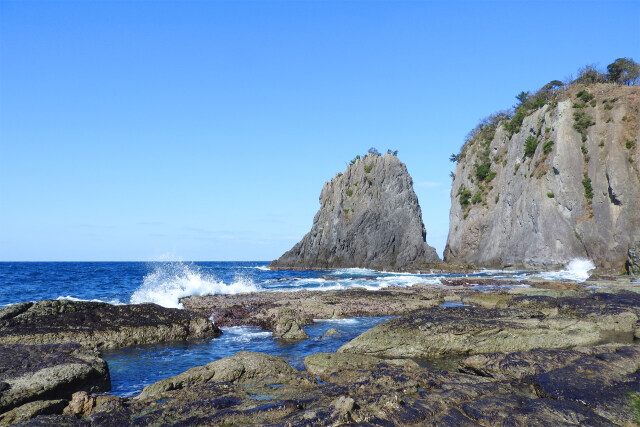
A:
<point x="164" y="283"/>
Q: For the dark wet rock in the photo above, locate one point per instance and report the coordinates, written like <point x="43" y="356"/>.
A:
<point x="602" y="383"/>
<point x="31" y="410"/>
<point x="49" y="372"/>
<point x="518" y="365"/>
<point x="243" y="367"/>
<point x="514" y="410"/>
<point x="599" y="378"/>
<point x="324" y="364"/>
<point x="58" y="421"/>
<point x="99" y="324"/>
<point x="369" y="217"/>
<point x="355" y="390"/>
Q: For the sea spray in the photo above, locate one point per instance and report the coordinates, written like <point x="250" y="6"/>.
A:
<point x="577" y="270"/>
<point x="168" y="282"/>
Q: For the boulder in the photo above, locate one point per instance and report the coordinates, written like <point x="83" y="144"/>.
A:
<point x="31" y="410"/>
<point x="242" y="367"/>
<point x="49" y="372"/>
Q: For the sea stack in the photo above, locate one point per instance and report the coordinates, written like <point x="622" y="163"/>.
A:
<point x="369" y="217"/>
<point x="559" y="180"/>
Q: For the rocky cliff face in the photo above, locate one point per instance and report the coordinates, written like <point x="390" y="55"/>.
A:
<point x="369" y="217"/>
<point x="565" y="184"/>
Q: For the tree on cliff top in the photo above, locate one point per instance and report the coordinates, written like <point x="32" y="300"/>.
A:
<point x="624" y="71"/>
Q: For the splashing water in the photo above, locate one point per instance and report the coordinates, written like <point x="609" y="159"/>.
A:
<point x="577" y="270"/>
<point x="171" y="281"/>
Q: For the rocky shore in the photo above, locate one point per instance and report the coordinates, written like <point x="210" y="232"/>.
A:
<point x="548" y="353"/>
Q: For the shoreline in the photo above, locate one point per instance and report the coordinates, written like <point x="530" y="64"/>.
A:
<point x="473" y="326"/>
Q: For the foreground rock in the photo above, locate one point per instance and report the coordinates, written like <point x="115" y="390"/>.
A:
<point x="369" y="217"/>
<point x="99" y="325"/>
<point x="244" y="367"/>
<point x="377" y="393"/>
<point x="31" y="373"/>
<point x="529" y="322"/>
<point x="600" y="378"/>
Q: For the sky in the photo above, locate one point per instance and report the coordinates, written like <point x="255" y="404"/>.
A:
<point x="205" y="130"/>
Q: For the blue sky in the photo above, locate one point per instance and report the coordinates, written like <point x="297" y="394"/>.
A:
<point x="204" y="130"/>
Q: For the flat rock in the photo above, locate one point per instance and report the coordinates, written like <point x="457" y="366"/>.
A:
<point x="324" y="364"/>
<point x="243" y="367"/>
<point x="600" y="378"/>
<point x="31" y="410"/>
<point x="49" y="372"/>
<point x="438" y="332"/>
<point x="99" y="325"/>
<point x="267" y="309"/>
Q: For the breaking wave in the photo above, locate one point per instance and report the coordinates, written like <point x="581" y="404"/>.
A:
<point x="70" y="298"/>
<point x="169" y="282"/>
<point x="577" y="270"/>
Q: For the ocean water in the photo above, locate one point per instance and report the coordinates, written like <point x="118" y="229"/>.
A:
<point x="165" y="283"/>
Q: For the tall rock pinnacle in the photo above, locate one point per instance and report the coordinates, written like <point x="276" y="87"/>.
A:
<point x="369" y="217"/>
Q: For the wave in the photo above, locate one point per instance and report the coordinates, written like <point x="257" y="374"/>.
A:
<point x="347" y="321"/>
<point x="354" y="272"/>
<point x="169" y="282"/>
<point x="340" y="283"/>
<point x="243" y="334"/>
<point x="70" y="298"/>
<point x="577" y="271"/>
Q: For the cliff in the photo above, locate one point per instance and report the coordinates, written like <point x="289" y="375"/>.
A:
<point x="369" y="217"/>
<point x="563" y="184"/>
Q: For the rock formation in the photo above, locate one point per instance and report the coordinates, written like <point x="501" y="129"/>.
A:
<point x="99" y="325"/>
<point x="526" y="323"/>
<point x="39" y="372"/>
<point x="565" y="184"/>
<point x="369" y="217"/>
<point x="633" y="261"/>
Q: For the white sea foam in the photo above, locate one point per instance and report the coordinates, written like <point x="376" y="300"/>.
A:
<point x="350" y="321"/>
<point x="577" y="270"/>
<point x="70" y="298"/>
<point x="244" y="333"/>
<point x="171" y="281"/>
<point x="354" y="272"/>
<point x="322" y="284"/>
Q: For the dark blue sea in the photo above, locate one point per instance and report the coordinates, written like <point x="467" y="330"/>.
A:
<point x="165" y="283"/>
